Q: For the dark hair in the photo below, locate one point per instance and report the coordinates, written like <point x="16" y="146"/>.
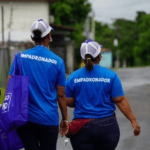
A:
<point x="37" y="36"/>
<point x="89" y="62"/>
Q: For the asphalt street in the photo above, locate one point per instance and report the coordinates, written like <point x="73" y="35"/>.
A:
<point x="136" y="85"/>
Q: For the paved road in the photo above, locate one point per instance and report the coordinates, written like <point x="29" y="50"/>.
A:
<point x="136" y="85"/>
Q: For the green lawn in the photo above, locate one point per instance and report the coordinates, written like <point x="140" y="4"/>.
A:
<point x="2" y="91"/>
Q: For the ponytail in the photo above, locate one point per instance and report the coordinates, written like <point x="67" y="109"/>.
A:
<point x="37" y="36"/>
<point x="89" y="64"/>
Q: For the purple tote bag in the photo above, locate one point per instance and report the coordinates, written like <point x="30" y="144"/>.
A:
<point x="10" y="141"/>
<point x="14" y="110"/>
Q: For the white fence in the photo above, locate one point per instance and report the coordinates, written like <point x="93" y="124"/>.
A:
<point x="4" y="65"/>
<point x="6" y="58"/>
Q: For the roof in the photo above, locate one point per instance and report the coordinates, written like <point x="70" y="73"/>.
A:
<point x="50" y="1"/>
<point x="62" y="27"/>
<point x="105" y="50"/>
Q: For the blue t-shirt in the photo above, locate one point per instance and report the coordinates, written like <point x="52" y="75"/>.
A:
<point x="45" y="71"/>
<point x="93" y="92"/>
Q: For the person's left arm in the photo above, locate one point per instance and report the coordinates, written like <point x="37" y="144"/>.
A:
<point x="121" y="101"/>
<point x="9" y="75"/>
<point x="125" y="108"/>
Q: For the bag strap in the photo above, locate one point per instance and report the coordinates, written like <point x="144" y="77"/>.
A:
<point x="20" y="63"/>
<point x="15" y="62"/>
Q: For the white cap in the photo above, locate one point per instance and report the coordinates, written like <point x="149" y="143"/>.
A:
<point x="41" y="25"/>
<point x="90" y="47"/>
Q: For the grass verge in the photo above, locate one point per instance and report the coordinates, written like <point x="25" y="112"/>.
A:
<point x="2" y="92"/>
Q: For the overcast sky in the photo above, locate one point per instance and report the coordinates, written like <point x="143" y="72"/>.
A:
<point x="108" y="10"/>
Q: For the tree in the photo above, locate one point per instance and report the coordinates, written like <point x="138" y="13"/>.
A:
<point x="134" y="37"/>
<point x="69" y="12"/>
<point x="142" y="47"/>
<point x="104" y="35"/>
<point x="127" y="35"/>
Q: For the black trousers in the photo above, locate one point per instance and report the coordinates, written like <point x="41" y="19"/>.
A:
<point x="38" y="137"/>
<point x="99" y="134"/>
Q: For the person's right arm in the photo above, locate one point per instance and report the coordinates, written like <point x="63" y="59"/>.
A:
<point x="124" y="107"/>
<point x="70" y="102"/>
<point x="9" y="76"/>
<point x="64" y="126"/>
<point x="60" y="86"/>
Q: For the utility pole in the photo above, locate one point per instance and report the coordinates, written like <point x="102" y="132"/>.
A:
<point x="87" y="27"/>
<point x="93" y="25"/>
<point x="90" y="26"/>
<point x="2" y="10"/>
<point x="117" y="62"/>
<point x="10" y="23"/>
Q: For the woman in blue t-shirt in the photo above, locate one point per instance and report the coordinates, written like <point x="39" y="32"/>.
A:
<point x="46" y="73"/>
<point x="93" y="91"/>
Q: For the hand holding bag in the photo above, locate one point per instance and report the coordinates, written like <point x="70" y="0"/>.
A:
<point x="14" y="110"/>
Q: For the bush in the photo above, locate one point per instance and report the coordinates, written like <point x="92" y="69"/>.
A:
<point x="2" y="92"/>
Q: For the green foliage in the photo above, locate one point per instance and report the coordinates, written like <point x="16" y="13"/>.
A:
<point x="61" y="12"/>
<point x="127" y="35"/>
<point x="68" y="12"/>
<point x="104" y="35"/>
<point x="2" y="95"/>
<point x="142" y="47"/>
<point x="134" y="37"/>
<point x="139" y="16"/>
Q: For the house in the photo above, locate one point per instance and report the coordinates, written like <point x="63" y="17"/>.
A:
<point x="62" y="45"/>
<point x="19" y="15"/>
<point x="107" y="58"/>
<point x="18" y="18"/>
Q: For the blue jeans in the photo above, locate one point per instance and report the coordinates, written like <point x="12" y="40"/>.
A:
<point x="99" y="134"/>
<point x="38" y="137"/>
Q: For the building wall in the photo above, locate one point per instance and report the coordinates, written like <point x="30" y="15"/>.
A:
<point x="107" y="59"/>
<point x="23" y="14"/>
<point x="70" y="57"/>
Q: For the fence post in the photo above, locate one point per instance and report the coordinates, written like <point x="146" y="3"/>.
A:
<point x="4" y="65"/>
